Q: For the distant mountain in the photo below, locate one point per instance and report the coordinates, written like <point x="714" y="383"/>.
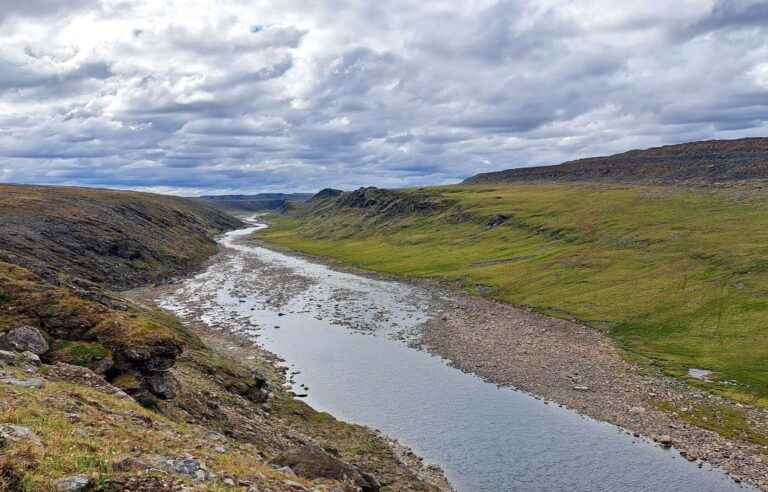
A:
<point x="705" y="162"/>
<point x="254" y="203"/>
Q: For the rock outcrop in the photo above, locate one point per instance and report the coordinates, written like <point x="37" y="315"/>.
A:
<point x="24" y="339"/>
<point x="380" y="203"/>
<point x="695" y="162"/>
<point x="311" y="462"/>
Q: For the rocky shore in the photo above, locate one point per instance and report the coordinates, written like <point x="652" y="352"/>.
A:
<point x="572" y="365"/>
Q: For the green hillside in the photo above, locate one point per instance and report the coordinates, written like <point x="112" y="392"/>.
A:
<point x="678" y="276"/>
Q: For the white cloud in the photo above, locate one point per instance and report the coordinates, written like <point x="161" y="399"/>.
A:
<point x="242" y="95"/>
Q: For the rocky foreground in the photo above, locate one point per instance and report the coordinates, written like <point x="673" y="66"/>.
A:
<point x="100" y="391"/>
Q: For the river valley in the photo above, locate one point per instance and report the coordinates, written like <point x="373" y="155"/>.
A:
<point x="351" y="345"/>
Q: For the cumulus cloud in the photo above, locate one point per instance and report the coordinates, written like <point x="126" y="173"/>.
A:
<point x="193" y="96"/>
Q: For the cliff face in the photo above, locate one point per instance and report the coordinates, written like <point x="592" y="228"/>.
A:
<point x="695" y="162"/>
<point x="118" y="239"/>
<point x="375" y="202"/>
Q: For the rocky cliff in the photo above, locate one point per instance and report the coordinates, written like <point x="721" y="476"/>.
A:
<point x="696" y="162"/>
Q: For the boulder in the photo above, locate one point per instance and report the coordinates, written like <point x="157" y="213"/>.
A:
<point x="17" y="433"/>
<point x="130" y="464"/>
<point x="665" y="441"/>
<point x="25" y="339"/>
<point x="35" y="383"/>
<point x="497" y="220"/>
<point x="75" y="483"/>
<point x="162" y="384"/>
<point x="311" y="462"/>
<point x="23" y="359"/>
<point x="82" y="375"/>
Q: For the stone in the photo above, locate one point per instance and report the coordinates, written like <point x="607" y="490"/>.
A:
<point x="163" y="385"/>
<point x="311" y="462"/>
<point x="191" y="467"/>
<point x="25" y="339"/>
<point x="294" y="485"/>
<point x="131" y="465"/>
<point x="75" y="483"/>
<point x="61" y="371"/>
<point x="665" y="440"/>
<point x="497" y="220"/>
<point x="581" y="388"/>
<point x="24" y="383"/>
<point x="23" y="359"/>
<point x="17" y="433"/>
<point x="637" y="410"/>
<point x="186" y="466"/>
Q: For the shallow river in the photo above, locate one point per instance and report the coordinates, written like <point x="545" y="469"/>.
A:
<point x="346" y="338"/>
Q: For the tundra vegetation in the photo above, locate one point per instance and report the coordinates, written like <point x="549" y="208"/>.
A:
<point x="678" y="276"/>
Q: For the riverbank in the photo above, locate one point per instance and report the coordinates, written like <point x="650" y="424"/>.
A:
<point x="395" y="466"/>
<point x="581" y="368"/>
<point x="345" y="339"/>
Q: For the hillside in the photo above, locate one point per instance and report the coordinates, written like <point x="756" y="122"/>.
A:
<point x="695" y="162"/>
<point x="254" y="203"/>
<point x="676" y="276"/>
<point x="120" y="239"/>
<point x="101" y="391"/>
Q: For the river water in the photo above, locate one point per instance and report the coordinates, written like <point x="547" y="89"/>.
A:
<point x="346" y="339"/>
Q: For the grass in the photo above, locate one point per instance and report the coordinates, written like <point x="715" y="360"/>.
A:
<point x="726" y="420"/>
<point x="80" y="353"/>
<point x="109" y="430"/>
<point x="679" y="277"/>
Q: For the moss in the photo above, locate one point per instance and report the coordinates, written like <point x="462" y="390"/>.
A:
<point x="127" y="382"/>
<point x="79" y="353"/>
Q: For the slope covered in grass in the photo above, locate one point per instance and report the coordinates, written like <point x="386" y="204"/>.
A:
<point x="679" y="276"/>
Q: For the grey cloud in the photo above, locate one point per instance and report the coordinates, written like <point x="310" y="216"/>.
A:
<point x="732" y="14"/>
<point x="42" y="8"/>
<point x="342" y="93"/>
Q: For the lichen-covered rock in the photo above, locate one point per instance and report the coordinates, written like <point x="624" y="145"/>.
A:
<point x="75" y="483"/>
<point x="23" y="359"/>
<point x="24" y="339"/>
<point x="35" y="383"/>
<point x="17" y="433"/>
<point x="163" y="385"/>
<point x="82" y="375"/>
<point x="312" y="462"/>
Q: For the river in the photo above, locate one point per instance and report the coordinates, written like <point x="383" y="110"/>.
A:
<point x="349" y="343"/>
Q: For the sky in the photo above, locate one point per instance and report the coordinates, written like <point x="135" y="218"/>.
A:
<point x="197" y="97"/>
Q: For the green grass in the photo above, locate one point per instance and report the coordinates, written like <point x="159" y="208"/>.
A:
<point x="79" y="353"/>
<point x="679" y="277"/>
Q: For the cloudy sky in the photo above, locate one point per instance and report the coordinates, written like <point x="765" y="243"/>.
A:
<point x="218" y="96"/>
